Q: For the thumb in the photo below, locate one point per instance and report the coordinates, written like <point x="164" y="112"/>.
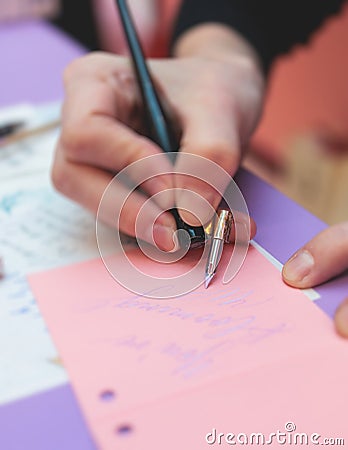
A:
<point x="209" y="156"/>
<point x="341" y="319"/>
<point x="324" y="257"/>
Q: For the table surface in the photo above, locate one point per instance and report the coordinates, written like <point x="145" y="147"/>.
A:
<point x="34" y="55"/>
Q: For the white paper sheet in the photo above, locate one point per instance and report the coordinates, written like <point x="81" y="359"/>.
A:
<point x="38" y="229"/>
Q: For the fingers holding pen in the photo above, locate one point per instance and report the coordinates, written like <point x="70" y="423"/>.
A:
<point x="103" y="123"/>
<point x="87" y="185"/>
<point x="100" y="123"/>
<point x="217" y="118"/>
<point x="209" y="156"/>
<point x="213" y="142"/>
<point x="107" y="144"/>
<point x="243" y="228"/>
<point x="101" y="120"/>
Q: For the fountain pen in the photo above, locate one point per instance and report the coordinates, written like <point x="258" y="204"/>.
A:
<point x="162" y="133"/>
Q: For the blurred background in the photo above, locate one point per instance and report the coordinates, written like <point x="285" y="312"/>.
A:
<point x="301" y="144"/>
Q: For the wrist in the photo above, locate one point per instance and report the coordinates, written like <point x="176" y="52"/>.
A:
<point x="217" y="42"/>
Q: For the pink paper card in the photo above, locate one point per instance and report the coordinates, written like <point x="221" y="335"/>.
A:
<point x="248" y="356"/>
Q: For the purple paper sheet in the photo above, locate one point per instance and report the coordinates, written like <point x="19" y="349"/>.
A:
<point x="47" y="421"/>
<point x="283" y="227"/>
<point x="33" y="56"/>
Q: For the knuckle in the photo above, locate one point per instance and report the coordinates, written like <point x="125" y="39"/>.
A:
<point x="72" y="70"/>
<point x="85" y="66"/>
<point x="137" y="149"/>
<point x="222" y="152"/>
<point x="62" y="174"/>
<point x="342" y="231"/>
<point x="127" y="221"/>
<point x="73" y="141"/>
<point x="60" y="178"/>
<point x="335" y="237"/>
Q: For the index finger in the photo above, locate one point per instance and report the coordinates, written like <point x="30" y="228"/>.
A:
<point x="209" y="132"/>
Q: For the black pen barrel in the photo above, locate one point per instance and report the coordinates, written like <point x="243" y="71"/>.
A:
<point x="159" y="126"/>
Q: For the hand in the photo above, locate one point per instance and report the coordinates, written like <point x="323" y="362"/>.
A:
<point x="216" y="102"/>
<point x="322" y="258"/>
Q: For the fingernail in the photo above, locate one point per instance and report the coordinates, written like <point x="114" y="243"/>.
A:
<point x="341" y="319"/>
<point x="298" y="267"/>
<point x="164" y="237"/>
